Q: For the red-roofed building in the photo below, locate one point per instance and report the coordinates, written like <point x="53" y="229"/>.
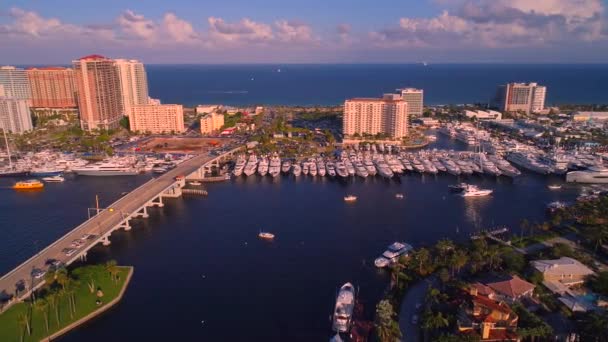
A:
<point x="512" y="289"/>
<point x="488" y="319"/>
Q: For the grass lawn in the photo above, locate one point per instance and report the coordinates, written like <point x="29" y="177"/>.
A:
<point x="12" y="330"/>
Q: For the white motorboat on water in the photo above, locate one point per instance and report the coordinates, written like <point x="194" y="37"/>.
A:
<point x="474" y="191"/>
<point x="594" y="174"/>
<point x="392" y="254"/>
<point x="343" y="311"/>
<point x="53" y="179"/>
<point x="105" y="169"/>
<point x="350" y="198"/>
<point x="266" y="236"/>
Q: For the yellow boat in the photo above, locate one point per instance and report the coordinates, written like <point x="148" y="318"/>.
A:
<point x="32" y="184"/>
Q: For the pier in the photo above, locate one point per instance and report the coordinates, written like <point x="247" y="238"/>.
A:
<point x="19" y="283"/>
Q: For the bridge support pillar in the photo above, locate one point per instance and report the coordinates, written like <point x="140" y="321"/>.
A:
<point x="125" y="225"/>
<point x="105" y="241"/>
<point x="158" y="203"/>
<point x="83" y="256"/>
<point x="144" y="213"/>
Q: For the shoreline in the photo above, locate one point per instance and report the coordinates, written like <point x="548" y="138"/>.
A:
<point x="95" y="313"/>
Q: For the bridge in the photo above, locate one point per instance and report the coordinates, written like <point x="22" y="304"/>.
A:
<point x="19" y="283"/>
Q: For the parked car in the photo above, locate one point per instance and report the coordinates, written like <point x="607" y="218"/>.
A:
<point x="69" y="251"/>
<point x="38" y="273"/>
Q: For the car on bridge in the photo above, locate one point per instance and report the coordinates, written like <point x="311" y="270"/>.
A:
<point x="69" y="251"/>
<point x="38" y="273"/>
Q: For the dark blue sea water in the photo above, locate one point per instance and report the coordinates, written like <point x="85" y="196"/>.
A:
<point x="201" y="274"/>
<point x="327" y="84"/>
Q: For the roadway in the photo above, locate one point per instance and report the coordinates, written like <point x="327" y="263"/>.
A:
<point x="21" y="278"/>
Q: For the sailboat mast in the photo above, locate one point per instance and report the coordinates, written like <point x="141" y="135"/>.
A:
<point x="8" y="150"/>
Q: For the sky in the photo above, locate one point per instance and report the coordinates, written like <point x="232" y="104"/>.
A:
<point x="311" y="31"/>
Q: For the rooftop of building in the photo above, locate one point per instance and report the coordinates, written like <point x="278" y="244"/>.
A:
<point x="92" y="57"/>
<point x="373" y="99"/>
<point x="563" y="265"/>
<point x="49" y="68"/>
<point x="513" y="287"/>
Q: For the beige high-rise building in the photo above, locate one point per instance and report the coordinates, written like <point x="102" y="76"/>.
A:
<point x="164" y="118"/>
<point x="386" y="115"/>
<point x="14" y="83"/>
<point x="133" y="83"/>
<point x="211" y="123"/>
<point x="521" y="97"/>
<point x="52" y="87"/>
<point x="15" y="115"/>
<point x="99" y="96"/>
<point x="415" y="101"/>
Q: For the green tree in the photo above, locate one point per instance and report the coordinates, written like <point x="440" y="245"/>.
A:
<point x="598" y="235"/>
<point x="62" y="277"/>
<point x="432" y="321"/>
<point x="599" y="283"/>
<point x="23" y="319"/>
<point x="444" y="247"/>
<point x="387" y="327"/>
<point x="125" y="123"/>
<point x="592" y="324"/>
<point x="54" y="299"/>
<point x="513" y="261"/>
<point x="112" y="269"/>
<point x="422" y="258"/>
<point x="42" y="306"/>
<point x="458" y="260"/>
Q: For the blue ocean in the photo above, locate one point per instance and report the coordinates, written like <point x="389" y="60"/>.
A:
<point x="331" y="84"/>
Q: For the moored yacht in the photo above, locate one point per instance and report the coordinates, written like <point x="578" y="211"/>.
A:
<point x="474" y="191"/>
<point x="105" y="169"/>
<point x="594" y="174"/>
<point x="343" y="311"/>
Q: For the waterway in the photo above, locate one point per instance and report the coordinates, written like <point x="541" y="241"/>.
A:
<point x="201" y="274"/>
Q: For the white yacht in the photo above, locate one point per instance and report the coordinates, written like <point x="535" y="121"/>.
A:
<point x="240" y="165"/>
<point x="488" y="167"/>
<point x="263" y="166"/>
<point x="360" y="170"/>
<point x="369" y="165"/>
<point x="383" y="169"/>
<point x="297" y="169"/>
<point x="451" y="167"/>
<point x="341" y="169"/>
<point x="418" y="165"/>
<point x="53" y="179"/>
<point x="321" y="169"/>
<point x="474" y="191"/>
<point x="556" y="161"/>
<point x="105" y="169"/>
<point x="331" y="169"/>
<point x="343" y="311"/>
<point x="350" y="168"/>
<point x="392" y="253"/>
<point x="528" y="161"/>
<point x="312" y="168"/>
<point x="428" y="166"/>
<point x="251" y="166"/>
<point x="275" y="166"/>
<point x="305" y="168"/>
<point x="594" y="174"/>
<point x="505" y="167"/>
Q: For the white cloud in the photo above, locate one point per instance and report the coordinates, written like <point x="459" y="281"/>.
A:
<point x="245" y="30"/>
<point x="500" y="23"/>
<point x="292" y="31"/>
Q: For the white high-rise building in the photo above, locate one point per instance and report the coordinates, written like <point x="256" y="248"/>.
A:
<point x="415" y="101"/>
<point x="521" y="97"/>
<point x="133" y="83"/>
<point x="386" y="115"/>
<point x="15" y="115"/>
<point x="14" y="83"/>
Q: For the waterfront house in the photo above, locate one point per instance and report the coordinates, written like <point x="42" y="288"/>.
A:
<point x="486" y="318"/>
<point x="561" y="274"/>
<point x="512" y="289"/>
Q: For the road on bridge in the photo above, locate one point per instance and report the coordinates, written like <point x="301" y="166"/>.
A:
<point x="20" y="280"/>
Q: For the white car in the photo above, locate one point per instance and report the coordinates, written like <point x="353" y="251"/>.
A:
<point x="69" y="251"/>
<point x="38" y="273"/>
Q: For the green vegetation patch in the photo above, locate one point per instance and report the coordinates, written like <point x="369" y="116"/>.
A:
<point x="71" y="297"/>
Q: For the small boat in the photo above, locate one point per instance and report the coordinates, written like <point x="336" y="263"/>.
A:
<point x="382" y="262"/>
<point x="53" y="179"/>
<point x="555" y="206"/>
<point x="196" y="183"/>
<point x="266" y="236"/>
<point x="343" y="312"/>
<point x="399" y="196"/>
<point x="32" y="184"/>
<point x="554" y="186"/>
<point x="473" y="191"/>
<point x="350" y="198"/>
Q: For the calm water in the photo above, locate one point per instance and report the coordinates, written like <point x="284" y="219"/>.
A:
<point x="198" y="259"/>
<point x="332" y="84"/>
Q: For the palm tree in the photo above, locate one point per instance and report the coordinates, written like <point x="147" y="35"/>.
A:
<point x="432" y="321"/>
<point x="112" y="269"/>
<point x="24" y="323"/>
<point x="69" y="291"/>
<point x="53" y="299"/>
<point x="598" y="235"/>
<point x="444" y="246"/>
<point x="49" y="277"/>
<point x="422" y="257"/>
<point x="62" y="277"/>
<point x="385" y="324"/>
<point x="42" y="306"/>
<point x="493" y="256"/>
<point x="458" y="260"/>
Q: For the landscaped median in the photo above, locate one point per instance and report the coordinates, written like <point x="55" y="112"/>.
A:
<point x="71" y="299"/>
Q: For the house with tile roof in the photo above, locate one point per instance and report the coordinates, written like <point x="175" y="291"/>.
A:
<point x="560" y="274"/>
<point x="486" y="318"/>
<point x="512" y="289"/>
